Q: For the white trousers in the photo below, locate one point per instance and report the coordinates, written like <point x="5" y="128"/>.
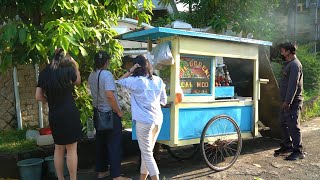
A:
<point x="147" y="135"/>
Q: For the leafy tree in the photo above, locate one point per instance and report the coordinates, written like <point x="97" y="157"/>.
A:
<point x="31" y="30"/>
<point x="249" y="16"/>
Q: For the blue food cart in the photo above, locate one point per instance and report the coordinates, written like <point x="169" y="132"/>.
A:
<point x="214" y="114"/>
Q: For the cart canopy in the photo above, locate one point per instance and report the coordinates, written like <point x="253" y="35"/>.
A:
<point x="160" y="32"/>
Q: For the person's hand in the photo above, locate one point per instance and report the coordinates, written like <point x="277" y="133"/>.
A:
<point x="285" y="106"/>
<point x="134" y="67"/>
<point x="120" y="114"/>
<point x="73" y="62"/>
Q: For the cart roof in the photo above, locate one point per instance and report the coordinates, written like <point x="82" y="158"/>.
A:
<point x="160" y="32"/>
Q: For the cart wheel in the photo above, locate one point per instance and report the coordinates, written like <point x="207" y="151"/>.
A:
<point x="183" y="152"/>
<point x="221" y="142"/>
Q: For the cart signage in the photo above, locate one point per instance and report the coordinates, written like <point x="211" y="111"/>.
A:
<point x="195" y="75"/>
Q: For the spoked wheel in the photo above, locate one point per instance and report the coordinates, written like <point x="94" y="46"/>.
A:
<point x="221" y="142"/>
<point x="183" y="152"/>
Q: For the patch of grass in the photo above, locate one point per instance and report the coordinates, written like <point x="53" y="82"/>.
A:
<point x="311" y="111"/>
<point x="15" y="141"/>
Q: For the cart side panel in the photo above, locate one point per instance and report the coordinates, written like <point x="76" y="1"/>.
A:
<point x="165" y="128"/>
<point x="193" y="120"/>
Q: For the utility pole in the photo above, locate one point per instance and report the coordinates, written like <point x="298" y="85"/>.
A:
<point x="316" y="26"/>
<point x="295" y="22"/>
<point x="292" y="21"/>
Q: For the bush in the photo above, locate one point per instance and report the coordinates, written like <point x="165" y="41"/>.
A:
<point x="84" y="103"/>
<point x="311" y="68"/>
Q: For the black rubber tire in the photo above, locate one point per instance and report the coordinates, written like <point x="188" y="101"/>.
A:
<point x="203" y="144"/>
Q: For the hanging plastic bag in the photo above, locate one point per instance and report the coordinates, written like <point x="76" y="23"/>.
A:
<point x="150" y="59"/>
<point x="162" y="54"/>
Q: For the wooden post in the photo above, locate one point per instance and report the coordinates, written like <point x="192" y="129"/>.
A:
<point x="174" y="83"/>
<point x="256" y="88"/>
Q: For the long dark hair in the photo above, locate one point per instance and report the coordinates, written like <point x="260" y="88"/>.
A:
<point x="60" y="59"/>
<point x="59" y="75"/>
<point x="100" y="59"/>
<point x="145" y="69"/>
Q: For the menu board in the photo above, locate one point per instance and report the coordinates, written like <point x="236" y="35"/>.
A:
<point x="195" y="74"/>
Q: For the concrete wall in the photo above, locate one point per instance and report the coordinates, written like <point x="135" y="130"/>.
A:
<point x="27" y="90"/>
<point x="29" y="106"/>
<point x="7" y="103"/>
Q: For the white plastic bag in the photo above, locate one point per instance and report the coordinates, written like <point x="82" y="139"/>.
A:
<point x="162" y="54"/>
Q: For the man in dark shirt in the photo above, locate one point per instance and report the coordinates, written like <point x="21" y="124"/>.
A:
<point x="291" y="87"/>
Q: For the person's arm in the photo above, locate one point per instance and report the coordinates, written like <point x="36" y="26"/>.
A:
<point x="113" y="103"/>
<point x="163" y="95"/>
<point x="127" y="74"/>
<point x="76" y="70"/>
<point x="109" y="89"/>
<point x="40" y="95"/>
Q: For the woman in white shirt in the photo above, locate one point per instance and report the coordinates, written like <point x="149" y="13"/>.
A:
<point x="147" y="95"/>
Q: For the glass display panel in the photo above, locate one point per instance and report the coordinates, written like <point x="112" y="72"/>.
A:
<point x="195" y="74"/>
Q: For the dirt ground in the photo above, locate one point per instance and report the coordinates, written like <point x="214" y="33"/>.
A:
<point x="256" y="161"/>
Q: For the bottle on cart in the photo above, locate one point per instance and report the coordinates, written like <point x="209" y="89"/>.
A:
<point x="228" y="80"/>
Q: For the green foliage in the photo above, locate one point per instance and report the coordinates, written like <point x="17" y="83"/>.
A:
<point x="127" y="120"/>
<point x="311" y="107"/>
<point x="15" y="141"/>
<point x="32" y="30"/>
<point x="246" y="16"/>
<point x="84" y="103"/>
<point x="311" y="68"/>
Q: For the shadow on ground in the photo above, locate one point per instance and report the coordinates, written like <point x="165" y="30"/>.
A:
<point x="196" y="167"/>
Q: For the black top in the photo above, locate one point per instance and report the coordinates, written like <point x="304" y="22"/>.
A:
<point x="64" y="117"/>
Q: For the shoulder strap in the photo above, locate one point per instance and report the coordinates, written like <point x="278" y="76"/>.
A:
<point x="98" y="90"/>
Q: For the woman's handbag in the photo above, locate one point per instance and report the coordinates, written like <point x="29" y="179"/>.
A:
<point x="102" y="120"/>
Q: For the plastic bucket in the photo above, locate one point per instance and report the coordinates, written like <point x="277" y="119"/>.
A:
<point x="51" y="170"/>
<point x="30" y="169"/>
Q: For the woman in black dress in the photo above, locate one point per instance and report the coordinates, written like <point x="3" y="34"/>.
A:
<point x="55" y="86"/>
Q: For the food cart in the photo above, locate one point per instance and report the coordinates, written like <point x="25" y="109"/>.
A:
<point x="215" y="114"/>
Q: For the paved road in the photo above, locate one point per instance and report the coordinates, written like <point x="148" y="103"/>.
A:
<point x="256" y="161"/>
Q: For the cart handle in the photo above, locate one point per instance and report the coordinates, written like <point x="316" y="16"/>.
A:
<point x="261" y="81"/>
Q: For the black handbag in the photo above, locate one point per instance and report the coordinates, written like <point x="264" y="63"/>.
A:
<point x="102" y="120"/>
